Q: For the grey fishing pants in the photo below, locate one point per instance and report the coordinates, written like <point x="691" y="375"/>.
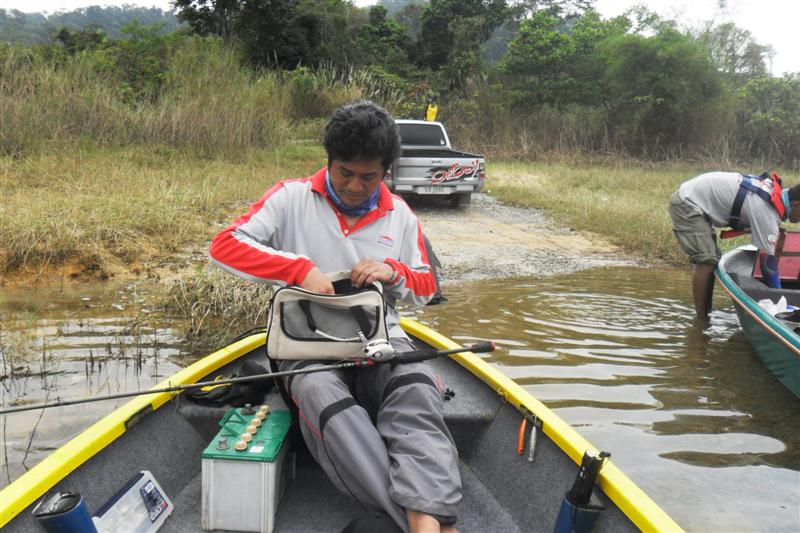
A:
<point x="380" y="436"/>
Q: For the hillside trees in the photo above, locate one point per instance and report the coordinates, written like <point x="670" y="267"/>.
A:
<point x="453" y="30"/>
<point x="768" y="120"/>
<point x="535" y="64"/>
<point x="38" y="28"/>
<point x="734" y="53"/>
<point x="75" y="41"/>
<point x="660" y="93"/>
<point x="526" y="70"/>
<point x="382" y="41"/>
<point x="663" y="92"/>
<point x="266" y="28"/>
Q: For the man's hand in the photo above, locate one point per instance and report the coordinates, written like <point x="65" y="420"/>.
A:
<point x="369" y="270"/>
<point x="316" y="281"/>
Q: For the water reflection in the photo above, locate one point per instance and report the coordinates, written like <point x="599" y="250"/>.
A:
<point x="687" y="409"/>
<point x="81" y="342"/>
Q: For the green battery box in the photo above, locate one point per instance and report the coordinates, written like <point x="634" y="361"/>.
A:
<point x="245" y="470"/>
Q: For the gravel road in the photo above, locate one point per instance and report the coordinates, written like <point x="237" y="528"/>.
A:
<point x="490" y="239"/>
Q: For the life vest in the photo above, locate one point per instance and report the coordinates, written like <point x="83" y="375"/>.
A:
<point x="749" y="184"/>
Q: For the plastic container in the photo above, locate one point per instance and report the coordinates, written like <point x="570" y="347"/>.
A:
<point x="140" y="506"/>
<point x="242" y="488"/>
<point x="64" y="512"/>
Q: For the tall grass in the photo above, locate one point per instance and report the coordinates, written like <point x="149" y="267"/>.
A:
<point x="208" y="102"/>
<point x="319" y="92"/>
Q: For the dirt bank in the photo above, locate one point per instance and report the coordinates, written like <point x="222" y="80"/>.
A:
<point x="486" y="240"/>
<point x="493" y="240"/>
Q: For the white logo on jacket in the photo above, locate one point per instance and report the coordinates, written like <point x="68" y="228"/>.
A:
<point x="386" y="241"/>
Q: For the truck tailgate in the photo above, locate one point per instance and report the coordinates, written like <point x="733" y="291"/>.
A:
<point x="438" y="175"/>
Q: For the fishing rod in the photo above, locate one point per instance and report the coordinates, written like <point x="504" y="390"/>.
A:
<point x="402" y="358"/>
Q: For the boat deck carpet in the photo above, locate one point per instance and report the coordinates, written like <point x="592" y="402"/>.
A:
<point x="312" y="503"/>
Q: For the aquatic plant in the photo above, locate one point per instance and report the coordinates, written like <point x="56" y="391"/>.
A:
<point x="215" y="306"/>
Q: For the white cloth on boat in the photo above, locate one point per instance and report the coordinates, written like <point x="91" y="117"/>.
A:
<point x="774" y="308"/>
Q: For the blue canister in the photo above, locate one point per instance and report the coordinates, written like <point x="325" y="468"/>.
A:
<point x="64" y="512"/>
<point x="575" y="518"/>
<point x="578" y="513"/>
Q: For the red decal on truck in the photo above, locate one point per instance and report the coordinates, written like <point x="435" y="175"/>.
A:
<point x="454" y="172"/>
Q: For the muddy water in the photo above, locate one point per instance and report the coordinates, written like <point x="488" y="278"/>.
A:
<point x="81" y="342"/>
<point x="687" y="411"/>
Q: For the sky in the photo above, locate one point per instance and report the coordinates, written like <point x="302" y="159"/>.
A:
<point x="771" y="22"/>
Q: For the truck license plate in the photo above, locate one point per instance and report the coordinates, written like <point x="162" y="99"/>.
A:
<point x="434" y="190"/>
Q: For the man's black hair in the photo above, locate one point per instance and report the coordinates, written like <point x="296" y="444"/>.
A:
<point x="794" y="193"/>
<point x="362" y="130"/>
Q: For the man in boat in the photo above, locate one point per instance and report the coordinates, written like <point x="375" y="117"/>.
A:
<point x="757" y="204"/>
<point x="344" y="218"/>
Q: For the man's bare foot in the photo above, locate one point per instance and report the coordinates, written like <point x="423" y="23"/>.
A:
<point x="419" y="522"/>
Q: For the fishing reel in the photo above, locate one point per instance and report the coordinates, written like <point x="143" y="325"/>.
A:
<point x="378" y="349"/>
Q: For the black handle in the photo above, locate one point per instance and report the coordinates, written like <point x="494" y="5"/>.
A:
<point x="482" y="347"/>
<point x="591" y="464"/>
<point x="414" y="357"/>
<point x="424" y="355"/>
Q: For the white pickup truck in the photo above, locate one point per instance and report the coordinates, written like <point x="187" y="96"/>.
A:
<point x="429" y="166"/>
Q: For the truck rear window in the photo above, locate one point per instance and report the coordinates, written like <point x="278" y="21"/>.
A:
<point x="422" y="135"/>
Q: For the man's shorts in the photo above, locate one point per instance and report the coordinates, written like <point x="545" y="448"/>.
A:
<point x="694" y="232"/>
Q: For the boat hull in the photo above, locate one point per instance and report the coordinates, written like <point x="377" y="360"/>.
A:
<point x="774" y="341"/>
<point x="503" y="490"/>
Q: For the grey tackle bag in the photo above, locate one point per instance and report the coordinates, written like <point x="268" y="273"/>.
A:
<point x="309" y="325"/>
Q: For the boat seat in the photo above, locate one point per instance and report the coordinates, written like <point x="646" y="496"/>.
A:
<point x="757" y="290"/>
<point x="205" y="419"/>
<point x="470" y="406"/>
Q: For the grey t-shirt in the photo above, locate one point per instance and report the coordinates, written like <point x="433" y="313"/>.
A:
<point x="713" y="194"/>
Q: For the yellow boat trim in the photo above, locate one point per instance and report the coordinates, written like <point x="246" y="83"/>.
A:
<point x="55" y="467"/>
<point x="631" y="500"/>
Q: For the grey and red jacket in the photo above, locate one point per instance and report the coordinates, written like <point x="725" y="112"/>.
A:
<point x="295" y="226"/>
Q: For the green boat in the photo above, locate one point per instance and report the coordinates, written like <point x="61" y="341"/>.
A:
<point x="775" y="339"/>
<point x="506" y="489"/>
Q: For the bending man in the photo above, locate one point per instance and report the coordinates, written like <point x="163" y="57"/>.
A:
<point x="714" y="200"/>
<point x="344" y="218"/>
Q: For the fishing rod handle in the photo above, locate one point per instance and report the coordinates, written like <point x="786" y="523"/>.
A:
<point x="482" y="347"/>
<point x="424" y="355"/>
